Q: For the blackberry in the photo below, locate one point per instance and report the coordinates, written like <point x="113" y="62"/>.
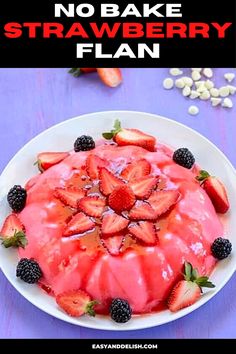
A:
<point x="184" y="157"/>
<point x="120" y="310"/>
<point x="28" y="270"/>
<point x="16" y="198"/>
<point x="221" y="248"/>
<point x="84" y="143"/>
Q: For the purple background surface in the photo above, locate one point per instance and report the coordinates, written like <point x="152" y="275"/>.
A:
<point x="32" y="100"/>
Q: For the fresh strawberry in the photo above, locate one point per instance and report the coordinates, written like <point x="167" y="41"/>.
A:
<point x="110" y="76"/>
<point x="76" y="303"/>
<point x="70" y="196"/>
<point x="12" y="232"/>
<point x="93" y="164"/>
<point x="92" y="206"/>
<point x="122" y="198"/>
<point x="108" y="182"/>
<point x="144" y="231"/>
<point x="187" y="292"/>
<point x="78" y="71"/>
<point x="144" y="186"/>
<point x="46" y="160"/>
<point x="217" y="193"/>
<point x="161" y="201"/>
<point x="113" y="223"/>
<point x="113" y="244"/>
<point x="142" y="211"/>
<point x="79" y="224"/>
<point x="136" y="170"/>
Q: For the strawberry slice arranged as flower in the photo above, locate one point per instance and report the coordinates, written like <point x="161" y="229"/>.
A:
<point x="92" y="206"/>
<point x="46" y="160"/>
<point x="136" y="170"/>
<point x="79" y="224"/>
<point x="113" y="224"/>
<point x="161" y="201"/>
<point x="125" y="137"/>
<point x="144" y="231"/>
<point x="122" y="198"/>
<point x="70" y="196"/>
<point x="142" y="212"/>
<point x="113" y="244"/>
<point x="108" y="182"/>
<point x="215" y="190"/>
<point x="93" y="165"/>
<point x="76" y="303"/>
<point x="110" y="76"/>
<point x="143" y="186"/>
<point x="187" y="292"/>
<point x="12" y="232"/>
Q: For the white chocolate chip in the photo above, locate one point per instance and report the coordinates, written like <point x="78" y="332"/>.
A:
<point x="196" y="75"/>
<point x="179" y="83"/>
<point x="209" y="84"/>
<point x="205" y="95"/>
<point x="214" y="92"/>
<point x="196" y="69"/>
<point x="176" y="71"/>
<point x="186" y="91"/>
<point x="188" y="81"/>
<point x="232" y="89"/>
<point x="194" y="94"/>
<point x="229" y="77"/>
<point x="193" y="110"/>
<point x="224" y="91"/>
<point x="199" y="83"/>
<point x="227" y="103"/>
<point x="215" y="101"/>
<point x="208" y="72"/>
<point x="168" y="83"/>
<point x="201" y="88"/>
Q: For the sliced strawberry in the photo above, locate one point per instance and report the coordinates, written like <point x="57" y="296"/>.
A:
<point x="135" y="137"/>
<point x="161" y="201"/>
<point x="142" y="212"/>
<point x="108" y="182"/>
<point x="46" y="160"/>
<point x="110" y="76"/>
<point x="113" y="244"/>
<point x="184" y="294"/>
<point x="93" y="164"/>
<point x="217" y="193"/>
<point x="136" y="170"/>
<point x="92" y="206"/>
<point x="12" y="232"/>
<point x="70" y="196"/>
<point x="144" y="231"/>
<point x="113" y="223"/>
<point x="122" y="198"/>
<point x="79" y="224"/>
<point x="144" y="186"/>
<point x="76" y="303"/>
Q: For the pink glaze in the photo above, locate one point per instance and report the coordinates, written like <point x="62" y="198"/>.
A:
<point x="142" y="275"/>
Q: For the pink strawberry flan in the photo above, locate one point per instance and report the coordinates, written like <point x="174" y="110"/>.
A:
<point x="119" y="222"/>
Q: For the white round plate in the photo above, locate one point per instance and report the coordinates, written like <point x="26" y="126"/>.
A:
<point x="61" y="138"/>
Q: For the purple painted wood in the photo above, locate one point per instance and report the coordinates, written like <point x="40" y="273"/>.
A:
<point x="32" y="100"/>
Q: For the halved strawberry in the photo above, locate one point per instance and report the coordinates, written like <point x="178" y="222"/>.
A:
<point x="144" y="231"/>
<point x="108" y="182"/>
<point x="217" y="193"/>
<point x="46" y="160"/>
<point x="142" y="211"/>
<point x="92" y="206"/>
<point x="135" y="137"/>
<point x="113" y="223"/>
<point x="110" y="76"/>
<point x="93" y="164"/>
<point x="143" y="186"/>
<point x="70" y="196"/>
<point x="113" y="244"/>
<point x="76" y="303"/>
<point x="12" y="232"/>
<point x="136" y="170"/>
<point x="161" y="201"/>
<point x="187" y="292"/>
<point x="122" y="198"/>
<point x="79" y="224"/>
